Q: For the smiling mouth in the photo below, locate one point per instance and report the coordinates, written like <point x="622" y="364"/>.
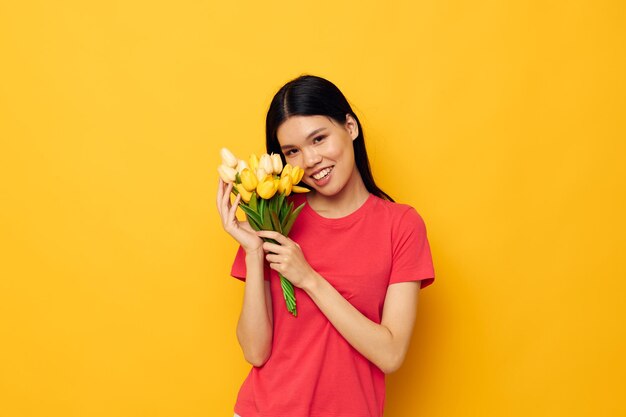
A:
<point x="322" y="174"/>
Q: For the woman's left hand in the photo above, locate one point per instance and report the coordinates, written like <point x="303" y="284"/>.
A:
<point x="286" y="258"/>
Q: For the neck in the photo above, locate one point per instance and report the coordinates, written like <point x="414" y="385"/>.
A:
<point x="353" y="195"/>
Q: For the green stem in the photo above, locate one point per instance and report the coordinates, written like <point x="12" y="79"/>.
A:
<point x="287" y="287"/>
<point x="289" y="295"/>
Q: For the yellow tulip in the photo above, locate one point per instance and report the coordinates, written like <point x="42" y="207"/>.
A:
<point x="245" y="194"/>
<point x="254" y="162"/>
<point x="277" y="163"/>
<point x="227" y="173"/>
<point x="285" y="185"/>
<point x="286" y="171"/>
<point x="228" y="158"/>
<point x="298" y="189"/>
<point x="266" y="189"/>
<point x="248" y="179"/>
<point x="296" y="175"/>
<point x="265" y="162"/>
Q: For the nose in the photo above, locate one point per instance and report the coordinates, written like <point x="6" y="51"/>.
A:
<point x="311" y="158"/>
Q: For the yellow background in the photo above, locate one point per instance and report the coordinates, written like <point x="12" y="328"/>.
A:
<point x="501" y="122"/>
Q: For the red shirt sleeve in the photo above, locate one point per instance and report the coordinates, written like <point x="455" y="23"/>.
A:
<point x="238" y="270"/>
<point x="411" y="259"/>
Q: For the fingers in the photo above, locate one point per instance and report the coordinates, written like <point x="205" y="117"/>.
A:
<point x="274" y="235"/>
<point x="224" y="207"/>
<point x="274" y="259"/>
<point x="272" y="247"/>
<point x="220" y="191"/>
<point x="226" y="198"/>
<point x="233" y="208"/>
<point x="276" y="267"/>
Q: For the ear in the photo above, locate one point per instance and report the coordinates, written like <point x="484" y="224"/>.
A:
<point x="351" y="126"/>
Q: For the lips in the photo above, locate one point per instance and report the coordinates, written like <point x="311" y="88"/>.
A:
<point x="322" y="176"/>
<point x="318" y="175"/>
<point x="322" y="173"/>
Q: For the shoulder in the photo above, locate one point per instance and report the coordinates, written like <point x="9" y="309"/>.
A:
<point x="399" y="217"/>
<point x="397" y="212"/>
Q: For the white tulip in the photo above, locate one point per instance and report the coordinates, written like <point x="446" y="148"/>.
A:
<point x="228" y="158"/>
<point x="261" y="174"/>
<point x="277" y="163"/>
<point x="266" y="163"/>
<point x="241" y="165"/>
<point x="227" y="173"/>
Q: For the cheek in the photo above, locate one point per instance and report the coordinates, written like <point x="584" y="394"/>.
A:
<point x="296" y="160"/>
<point x="343" y="154"/>
<point x="293" y="160"/>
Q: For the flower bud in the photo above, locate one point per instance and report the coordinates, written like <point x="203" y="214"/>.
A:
<point x="228" y="158"/>
<point x="241" y="165"/>
<point x="248" y="179"/>
<point x="254" y="162"/>
<point x="266" y="189"/>
<point x="286" y="171"/>
<point x="266" y="163"/>
<point x="227" y="173"/>
<point x="285" y="185"/>
<point x="296" y="175"/>
<point x="277" y="163"/>
<point x="261" y="174"/>
<point x="245" y="194"/>
<point x="298" y="189"/>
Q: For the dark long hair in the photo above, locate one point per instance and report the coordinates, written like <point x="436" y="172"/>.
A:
<point x="309" y="95"/>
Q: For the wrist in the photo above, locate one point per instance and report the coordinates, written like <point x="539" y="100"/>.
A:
<point x="255" y="254"/>
<point x="312" y="282"/>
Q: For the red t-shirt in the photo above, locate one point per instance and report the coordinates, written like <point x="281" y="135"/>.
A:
<point x="312" y="370"/>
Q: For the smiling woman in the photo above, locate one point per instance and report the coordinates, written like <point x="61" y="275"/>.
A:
<point x="327" y="156"/>
<point x="356" y="258"/>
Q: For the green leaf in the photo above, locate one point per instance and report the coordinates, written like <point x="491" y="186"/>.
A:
<point x="276" y="222"/>
<point x="291" y="219"/>
<point x="272" y="204"/>
<point x="279" y="204"/>
<point x="267" y="220"/>
<point x="253" y="202"/>
<point x="285" y="216"/>
<point x="251" y="214"/>
<point x="282" y="212"/>
<point x="254" y="224"/>
<point x="261" y="208"/>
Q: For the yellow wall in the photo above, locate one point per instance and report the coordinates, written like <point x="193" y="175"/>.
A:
<point x="501" y="122"/>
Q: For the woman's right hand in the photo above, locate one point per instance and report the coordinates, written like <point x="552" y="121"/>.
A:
<point x="242" y="232"/>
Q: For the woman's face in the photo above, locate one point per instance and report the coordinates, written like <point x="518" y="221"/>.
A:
<point x="323" y="148"/>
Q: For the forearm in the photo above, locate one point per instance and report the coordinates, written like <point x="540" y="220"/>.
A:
<point x="254" y="328"/>
<point x="374" y="341"/>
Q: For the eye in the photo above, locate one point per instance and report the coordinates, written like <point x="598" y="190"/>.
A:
<point x="290" y="152"/>
<point x="319" y="139"/>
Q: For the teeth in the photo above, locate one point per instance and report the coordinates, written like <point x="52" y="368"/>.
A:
<point x="322" y="173"/>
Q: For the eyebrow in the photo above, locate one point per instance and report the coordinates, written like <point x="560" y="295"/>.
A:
<point x="307" y="138"/>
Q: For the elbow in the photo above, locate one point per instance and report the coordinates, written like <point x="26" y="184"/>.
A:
<point x="392" y="363"/>
<point x="256" y="354"/>
<point x="256" y="348"/>
<point x="257" y="359"/>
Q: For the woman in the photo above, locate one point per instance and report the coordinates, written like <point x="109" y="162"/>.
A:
<point x="356" y="258"/>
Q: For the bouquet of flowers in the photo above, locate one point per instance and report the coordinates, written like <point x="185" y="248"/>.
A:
<point x="264" y="185"/>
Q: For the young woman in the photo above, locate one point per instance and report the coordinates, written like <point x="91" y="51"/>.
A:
<point x="357" y="261"/>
